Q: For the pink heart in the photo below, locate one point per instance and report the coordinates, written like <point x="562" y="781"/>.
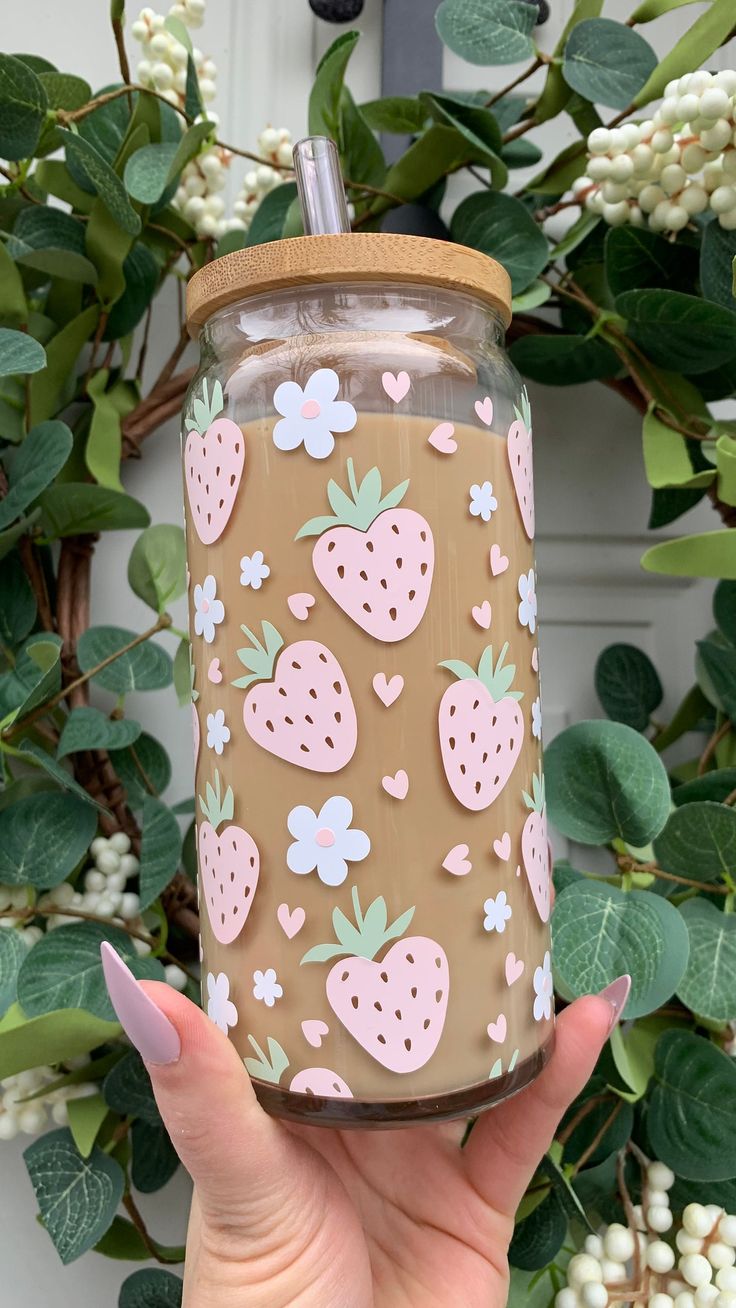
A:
<point x="300" y="604"/>
<point x="484" y="410"/>
<point x="388" y="691"/>
<point x="396" y="786"/>
<point x="443" y="438"/>
<point x="396" y="387"/>
<point x="482" y="614"/>
<point x="497" y="1029"/>
<point x="499" y="561"/>
<point x="514" y="967"/>
<point x="291" y="920"/>
<point x="535" y="658"/>
<point x="457" y="861"/>
<point x="314" y="1031"/>
<point x="502" y="847"/>
<point x="214" y="672"/>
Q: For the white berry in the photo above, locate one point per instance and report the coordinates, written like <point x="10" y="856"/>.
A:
<point x="582" y="1268"/>
<point x="566" y="1298"/>
<point x="594" y="1295"/>
<point x="696" y="1221"/>
<point x="695" y="1269"/>
<point x="661" y="1301"/>
<point x="720" y="1254"/>
<point x="660" y="1257"/>
<point x="618" y="1243"/>
<point x="659" y="1219"/>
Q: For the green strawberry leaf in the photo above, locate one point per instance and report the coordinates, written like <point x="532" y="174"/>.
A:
<point x="398" y="927"/>
<point x="395" y="496"/>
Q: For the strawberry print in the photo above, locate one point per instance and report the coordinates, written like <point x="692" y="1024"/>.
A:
<point x="214" y="457"/>
<point x="519" y="450"/>
<point x="535" y="847"/>
<point x="396" y="1007"/>
<point x="229" y="864"/>
<point x="321" y="1082"/>
<point x="481" y="729"/>
<point x="298" y="704"/>
<point x="374" y="559"/>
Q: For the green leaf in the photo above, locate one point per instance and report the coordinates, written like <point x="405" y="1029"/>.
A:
<point x="503" y="228"/>
<point x="193" y="105"/>
<point x="153" y="168"/>
<point x="22" y="108"/>
<point x="679" y="331"/>
<point x="717" y="253"/>
<point x="604" y="781"/>
<point x="146" y="761"/>
<point x="34" y="754"/>
<point x="628" y="686"/>
<point x="65" y="90"/>
<point x="667" y="458"/>
<point x="102" y="451"/>
<point x="637" y="258"/>
<point x="403" y="114"/>
<point x="668" y="505"/>
<point x="157" y="566"/>
<point x="324" y="99"/>
<point x="123" y="1241"/>
<point x="538" y="1237"/>
<point x="362" y="157"/>
<point x="160" y="849"/>
<point x="724" y="609"/>
<point x="726" y="467"/>
<point x="35" y="677"/>
<point x="53" y="388"/>
<point x="77" y="1197"/>
<point x="698" y="841"/>
<point x="487" y="31"/>
<point x="564" y="360"/>
<point x="607" y="62"/>
<point x="51" y="1038"/>
<point x="693" y="49"/>
<point x="146" y="667"/>
<point x="559" y="176"/>
<point x="53" y="242"/>
<point x="53" y="176"/>
<point x="600" y="932"/>
<point x="141" y="274"/>
<point x="476" y="124"/>
<point x="63" y="970"/>
<point x="712" y="785"/>
<point x="651" y="9"/>
<point x="691" y="1122"/>
<point x="12" y="953"/>
<point x="19" y="353"/>
<point x="154" y="1160"/>
<point x="435" y="153"/>
<point x="633" y="1053"/>
<point x="103" y="180"/>
<point x="86" y="1116"/>
<point x="709" y="984"/>
<point x="80" y="508"/>
<point x="17" y="601"/>
<point x="712" y="554"/>
<point x="42" y="455"/>
<point x="127" y="1090"/>
<point x="534" y="296"/>
<point x="720" y="664"/>
<point x="592" y="1126"/>
<point x="556" y="93"/>
<point x="88" y="728"/>
<point x="270" y="216"/>
<point x="14" y="310"/>
<point x="151" y="1287"/>
<point x="43" y="838"/>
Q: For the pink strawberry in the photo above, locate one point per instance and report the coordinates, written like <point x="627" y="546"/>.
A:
<point x="481" y="729"/>
<point x="229" y="864"/>
<point x="214" y="456"/>
<point x="302" y="710"/>
<point x="394" y="1008"/>
<point x="535" y="850"/>
<point x="374" y="559"/>
<point x="519" y="449"/>
<point x="321" y="1082"/>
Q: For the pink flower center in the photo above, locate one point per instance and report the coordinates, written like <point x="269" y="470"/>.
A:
<point x="205" y="606"/>
<point x="325" y="838"/>
<point x="310" y="409"/>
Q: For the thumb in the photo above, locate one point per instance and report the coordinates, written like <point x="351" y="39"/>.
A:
<point x="242" y="1162"/>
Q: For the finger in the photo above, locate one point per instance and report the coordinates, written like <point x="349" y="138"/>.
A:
<point x="242" y="1163"/>
<point x="507" y="1142"/>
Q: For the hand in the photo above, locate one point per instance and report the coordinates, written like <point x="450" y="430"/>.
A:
<point x="286" y="1215"/>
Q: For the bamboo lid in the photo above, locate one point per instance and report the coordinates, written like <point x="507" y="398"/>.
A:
<point x="353" y="257"/>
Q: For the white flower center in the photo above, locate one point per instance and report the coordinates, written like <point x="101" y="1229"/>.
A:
<point x="310" y="409"/>
<point x="325" y="838"/>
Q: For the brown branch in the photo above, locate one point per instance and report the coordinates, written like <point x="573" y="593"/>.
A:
<point x="34" y="911"/>
<point x="623" y="1190"/>
<point x="712" y="746"/>
<point x="131" y="1208"/>
<point x="117" y="27"/>
<point x="628" y="864"/>
<point x="154" y="410"/>
<point x="528" y="72"/>
<point x="564" y="1135"/>
<point x="520" y="129"/>
<point x="35" y="575"/>
<point x="587" y="1154"/>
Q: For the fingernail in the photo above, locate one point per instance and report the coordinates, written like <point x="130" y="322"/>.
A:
<point x="616" y="995"/>
<point x="154" y="1036"/>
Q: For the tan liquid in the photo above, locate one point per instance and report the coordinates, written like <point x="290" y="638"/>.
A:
<point x="409" y="837"/>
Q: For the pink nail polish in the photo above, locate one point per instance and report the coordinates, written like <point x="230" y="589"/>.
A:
<point x="154" y="1036"/>
<point x="616" y="995"/>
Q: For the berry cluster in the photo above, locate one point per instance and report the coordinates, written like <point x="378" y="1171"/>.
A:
<point x="25" y="1108"/>
<point x="164" y="63"/>
<point x="274" y="143"/>
<point x="637" y="1267"/>
<point x="104" y="886"/>
<point x="671" y="167"/>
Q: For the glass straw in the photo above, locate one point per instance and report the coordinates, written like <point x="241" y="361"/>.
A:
<point x="319" y="183"/>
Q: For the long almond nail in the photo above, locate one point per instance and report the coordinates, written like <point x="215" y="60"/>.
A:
<point x="616" y="995"/>
<point x="154" y="1036"/>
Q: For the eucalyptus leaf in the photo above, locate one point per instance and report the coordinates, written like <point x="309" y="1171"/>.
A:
<point x="145" y="667"/>
<point x="88" y="728"/>
<point x="141" y="272"/>
<point x="34" y="754"/>
<point x="157" y="566"/>
<point x="80" y="508"/>
<point x="17" y="601"/>
<point x="628" y="685"/>
<point x="43" y="838"/>
<point x="270" y="216"/>
<point x="51" y="1038"/>
<point x="77" y="1197"/>
<point x="715" y="786"/>
<point x="720" y="665"/>
<point x="53" y="388"/>
<point x="607" y="62"/>
<point x="691" y="1120"/>
<point x="64" y="970"/>
<point x="127" y="1090"/>
<point x="23" y="105"/>
<point x="151" y="1287"/>
<point x="502" y="227"/>
<point x="160" y="849"/>
<point x="605" y="781"/>
<point x="143" y="768"/>
<point x="708" y="986"/>
<point x="42" y="455"/>
<point x="699" y="841"/>
<point x="19" y="353"/>
<point x="12" y="952"/>
<point x="600" y="932"/>
<point x="154" y="1159"/>
<point x="487" y="31"/>
<point x="103" y="180"/>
